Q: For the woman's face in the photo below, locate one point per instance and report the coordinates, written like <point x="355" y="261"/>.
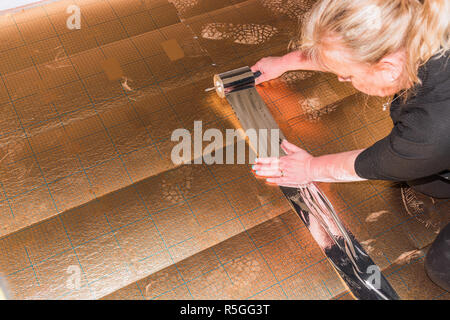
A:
<point x="382" y="79"/>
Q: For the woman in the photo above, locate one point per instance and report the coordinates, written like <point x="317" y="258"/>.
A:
<point x="383" y="48"/>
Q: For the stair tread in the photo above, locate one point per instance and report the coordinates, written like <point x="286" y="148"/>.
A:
<point x="128" y="230"/>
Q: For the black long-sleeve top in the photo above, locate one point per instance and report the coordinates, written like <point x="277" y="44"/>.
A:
<point x="419" y="144"/>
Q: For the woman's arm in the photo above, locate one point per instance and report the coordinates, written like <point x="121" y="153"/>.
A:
<point x="296" y="60"/>
<point x="273" y="67"/>
<point x="338" y="167"/>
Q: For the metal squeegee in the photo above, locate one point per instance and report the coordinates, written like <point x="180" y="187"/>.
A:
<point x="354" y="265"/>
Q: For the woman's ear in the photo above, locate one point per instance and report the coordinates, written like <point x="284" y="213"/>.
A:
<point x="391" y="66"/>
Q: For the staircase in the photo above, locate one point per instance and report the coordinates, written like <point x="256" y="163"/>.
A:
<point x="92" y="207"/>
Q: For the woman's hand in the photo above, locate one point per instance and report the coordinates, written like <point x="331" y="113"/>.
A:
<point x="289" y="171"/>
<point x="298" y="167"/>
<point x="270" y="68"/>
<point x="273" y="67"/>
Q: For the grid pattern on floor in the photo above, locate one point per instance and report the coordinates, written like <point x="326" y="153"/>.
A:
<point x="88" y="187"/>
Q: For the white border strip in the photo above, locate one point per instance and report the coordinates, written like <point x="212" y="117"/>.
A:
<point x="11" y="6"/>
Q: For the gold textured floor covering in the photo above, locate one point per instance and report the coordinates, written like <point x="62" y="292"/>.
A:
<point x="88" y="187"/>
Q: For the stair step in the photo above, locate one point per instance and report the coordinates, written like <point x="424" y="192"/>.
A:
<point x="133" y="232"/>
<point x="247" y="265"/>
<point x="103" y="23"/>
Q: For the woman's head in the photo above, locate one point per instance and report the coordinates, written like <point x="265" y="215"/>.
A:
<point x="378" y="45"/>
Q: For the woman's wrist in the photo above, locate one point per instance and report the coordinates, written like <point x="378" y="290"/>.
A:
<point x="338" y="167"/>
<point x="296" y="60"/>
<point x="292" y="61"/>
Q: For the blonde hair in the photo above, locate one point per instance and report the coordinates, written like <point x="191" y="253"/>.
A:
<point x="372" y="29"/>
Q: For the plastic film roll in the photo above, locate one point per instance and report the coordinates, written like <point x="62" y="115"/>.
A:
<point x="342" y="249"/>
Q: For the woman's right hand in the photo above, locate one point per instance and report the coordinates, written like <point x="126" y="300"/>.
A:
<point x="270" y="68"/>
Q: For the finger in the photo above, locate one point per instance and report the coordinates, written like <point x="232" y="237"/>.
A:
<point x="278" y="180"/>
<point x="271" y="160"/>
<point x="262" y="78"/>
<point x="287" y="151"/>
<point x="268" y="173"/>
<point x="286" y="181"/>
<point x="263" y="167"/>
<point x="280" y="183"/>
<point x="255" y="68"/>
<point x="289" y="147"/>
<point x="266" y="166"/>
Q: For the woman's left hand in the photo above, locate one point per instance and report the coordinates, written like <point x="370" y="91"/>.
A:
<point x="291" y="170"/>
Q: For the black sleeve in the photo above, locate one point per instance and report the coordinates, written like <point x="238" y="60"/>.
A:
<point x="418" y="146"/>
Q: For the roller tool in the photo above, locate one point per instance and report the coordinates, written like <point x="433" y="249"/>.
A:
<point x="239" y="79"/>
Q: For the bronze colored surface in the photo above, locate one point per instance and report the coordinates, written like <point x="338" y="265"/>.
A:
<point x="112" y="69"/>
<point x="173" y="49"/>
<point x="91" y="205"/>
